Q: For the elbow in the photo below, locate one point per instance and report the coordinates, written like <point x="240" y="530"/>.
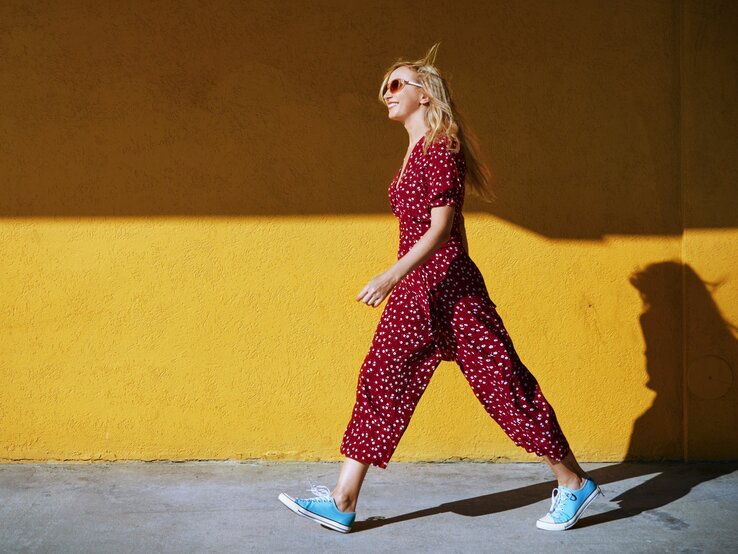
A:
<point x="441" y="230"/>
<point x="443" y="236"/>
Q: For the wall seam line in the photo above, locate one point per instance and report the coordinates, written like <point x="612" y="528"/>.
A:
<point x="681" y="4"/>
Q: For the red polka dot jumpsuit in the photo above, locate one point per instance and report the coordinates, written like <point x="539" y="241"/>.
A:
<point x="441" y="311"/>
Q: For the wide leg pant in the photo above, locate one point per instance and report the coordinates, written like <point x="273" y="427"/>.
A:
<point x="406" y="349"/>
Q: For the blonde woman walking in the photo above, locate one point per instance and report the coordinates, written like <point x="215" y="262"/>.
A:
<point x="439" y="309"/>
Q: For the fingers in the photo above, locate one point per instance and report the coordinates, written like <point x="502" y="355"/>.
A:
<point x="371" y="298"/>
<point x="365" y="295"/>
<point x="375" y="291"/>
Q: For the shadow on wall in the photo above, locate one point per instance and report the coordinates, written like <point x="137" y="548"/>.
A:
<point x="695" y="420"/>
<point x="209" y="112"/>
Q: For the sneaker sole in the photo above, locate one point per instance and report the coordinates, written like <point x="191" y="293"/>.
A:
<point x="295" y="507"/>
<point x="567" y="524"/>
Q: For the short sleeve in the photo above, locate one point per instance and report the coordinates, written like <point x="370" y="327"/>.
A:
<point x="444" y="185"/>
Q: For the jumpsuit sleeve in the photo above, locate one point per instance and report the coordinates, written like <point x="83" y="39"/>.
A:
<point x="442" y="177"/>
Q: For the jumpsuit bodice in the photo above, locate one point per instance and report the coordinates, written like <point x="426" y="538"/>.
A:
<point x="435" y="178"/>
<point x="431" y="179"/>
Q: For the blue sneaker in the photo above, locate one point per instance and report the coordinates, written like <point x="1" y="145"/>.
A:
<point x="322" y="508"/>
<point x="567" y="505"/>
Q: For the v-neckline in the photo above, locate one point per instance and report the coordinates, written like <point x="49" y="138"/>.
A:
<point x="410" y="156"/>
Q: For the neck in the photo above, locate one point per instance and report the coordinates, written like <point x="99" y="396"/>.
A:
<point x="416" y="127"/>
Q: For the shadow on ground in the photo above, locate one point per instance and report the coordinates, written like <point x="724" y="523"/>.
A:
<point x="672" y="482"/>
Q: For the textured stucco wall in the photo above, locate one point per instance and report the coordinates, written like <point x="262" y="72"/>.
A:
<point x="193" y="194"/>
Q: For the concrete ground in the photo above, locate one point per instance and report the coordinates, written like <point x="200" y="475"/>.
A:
<point x="408" y="507"/>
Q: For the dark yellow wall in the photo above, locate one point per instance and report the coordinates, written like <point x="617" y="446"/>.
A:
<point x="194" y="193"/>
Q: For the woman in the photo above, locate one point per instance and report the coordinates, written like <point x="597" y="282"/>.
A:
<point x="439" y="309"/>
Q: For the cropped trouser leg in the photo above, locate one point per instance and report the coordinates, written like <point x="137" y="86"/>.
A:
<point x="401" y="360"/>
<point x="506" y="388"/>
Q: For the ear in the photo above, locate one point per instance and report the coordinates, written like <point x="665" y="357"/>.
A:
<point x="424" y="100"/>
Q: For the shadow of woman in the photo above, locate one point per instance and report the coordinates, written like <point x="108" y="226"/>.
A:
<point x="692" y="419"/>
<point x="658" y="443"/>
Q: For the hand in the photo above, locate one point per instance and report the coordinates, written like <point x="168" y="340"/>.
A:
<point x="377" y="289"/>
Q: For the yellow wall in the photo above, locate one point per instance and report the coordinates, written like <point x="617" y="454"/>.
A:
<point x="192" y="198"/>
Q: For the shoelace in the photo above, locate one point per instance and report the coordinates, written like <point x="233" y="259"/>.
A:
<point x="322" y="493"/>
<point x="556" y="501"/>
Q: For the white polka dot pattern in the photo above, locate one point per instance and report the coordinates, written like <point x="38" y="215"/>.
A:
<point x="441" y="311"/>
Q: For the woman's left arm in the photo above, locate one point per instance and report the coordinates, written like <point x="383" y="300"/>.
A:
<point x="379" y="287"/>
<point x="444" y="191"/>
<point x="442" y="219"/>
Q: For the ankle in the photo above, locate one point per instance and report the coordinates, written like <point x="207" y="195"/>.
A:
<point x="575" y="482"/>
<point x="344" y="502"/>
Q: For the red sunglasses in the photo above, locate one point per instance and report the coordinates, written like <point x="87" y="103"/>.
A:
<point x="396" y="85"/>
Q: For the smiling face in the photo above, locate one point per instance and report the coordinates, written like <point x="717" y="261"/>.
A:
<point x="406" y="101"/>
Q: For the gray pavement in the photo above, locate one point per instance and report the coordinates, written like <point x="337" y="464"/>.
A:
<point x="408" y="507"/>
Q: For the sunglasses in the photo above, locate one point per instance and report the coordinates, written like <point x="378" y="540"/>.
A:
<point x="396" y="85"/>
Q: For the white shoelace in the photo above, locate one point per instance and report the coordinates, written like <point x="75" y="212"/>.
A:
<point x="557" y="502"/>
<point x="320" y="491"/>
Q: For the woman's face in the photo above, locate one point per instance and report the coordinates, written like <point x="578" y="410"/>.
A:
<point x="406" y="101"/>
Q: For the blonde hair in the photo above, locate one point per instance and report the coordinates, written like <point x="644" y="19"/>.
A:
<point x="443" y="118"/>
